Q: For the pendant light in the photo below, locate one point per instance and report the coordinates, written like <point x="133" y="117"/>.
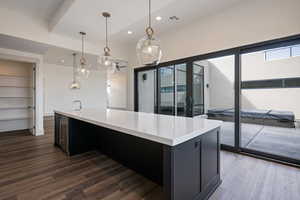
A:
<point x="84" y="68"/>
<point x="75" y="84"/>
<point x="106" y="59"/>
<point x="148" y="48"/>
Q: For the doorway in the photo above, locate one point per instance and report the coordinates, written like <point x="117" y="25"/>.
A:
<point x="17" y="96"/>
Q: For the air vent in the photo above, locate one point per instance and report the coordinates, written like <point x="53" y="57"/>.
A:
<point x="174" y="18"/>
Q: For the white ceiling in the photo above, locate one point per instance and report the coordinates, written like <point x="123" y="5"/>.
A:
<point x="64" y="57"/>
<point x="83" y="16"/>
<point x="132" y="15"/>
<point x="68" y="17"/>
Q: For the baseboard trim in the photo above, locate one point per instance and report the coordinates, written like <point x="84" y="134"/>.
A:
<point x="48" y="114"/>
<point x="39" y="133"/>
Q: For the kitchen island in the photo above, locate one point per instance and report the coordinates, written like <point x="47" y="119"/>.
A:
<point x="181" y="154"/>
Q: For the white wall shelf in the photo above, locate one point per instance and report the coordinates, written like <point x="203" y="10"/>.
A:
<point x="16" y="76"/>
<point x="6" y="86"/>
<point x="17" y="97"/>
<point x="16" y="108"/>
<point x="17" y="118"/>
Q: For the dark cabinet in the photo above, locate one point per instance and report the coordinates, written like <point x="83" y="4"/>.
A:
<point x="62" y="132"/>
<point x="74" y="136"/>
<point x="195" y="167"/>
<point x="210" y="158"/>
<point x="187" y="167"/>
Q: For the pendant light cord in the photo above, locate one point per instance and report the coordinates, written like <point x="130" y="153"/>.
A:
<point x="106" y="32"/>
<point x="82" y="47"/>
<point x="74" y="64"/>
<point x="149" y="13"/>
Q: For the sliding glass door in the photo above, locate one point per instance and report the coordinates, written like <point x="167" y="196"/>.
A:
<point x="166" y="90"/>
<point x="181" y="90"/>
<point x="270" y="110"/>
<point x="198" y="89"/>
<point x="214" y="94"/>
<point x="172" y="90"/>
<point x="253" y="89"/>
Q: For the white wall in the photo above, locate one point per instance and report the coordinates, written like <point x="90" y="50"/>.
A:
<point x="117" y="90"/>
<point x="246" y="23"/>
<point x="255" y="67"/>
<point x="58" y="95"/>
<point x="146" y="91"/>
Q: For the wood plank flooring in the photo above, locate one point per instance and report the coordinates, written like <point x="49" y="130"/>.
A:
<point x="32" y="168"/>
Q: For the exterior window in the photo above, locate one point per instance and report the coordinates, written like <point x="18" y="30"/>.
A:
<point x="282" y="53"/>
<point x="277" y="54"/>
<point x="296" y="51"/>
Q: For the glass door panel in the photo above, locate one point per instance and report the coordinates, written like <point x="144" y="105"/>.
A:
<point x="147" y="91"/>
<point x="166" y="90"/>
<point x="181" y="90"/>
<point x="198" y="89"/>
<point x="213" y="93"/>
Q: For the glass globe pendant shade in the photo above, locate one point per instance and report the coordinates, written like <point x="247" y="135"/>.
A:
<point x="84" y="69"/>
<point x="84" y="72"/>
<point x="106" y="59"/>
<point x="75" y="83"/>
<point x="148" y="50"/>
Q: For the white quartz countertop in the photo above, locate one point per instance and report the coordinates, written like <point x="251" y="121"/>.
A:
<point x="165" y="129"/>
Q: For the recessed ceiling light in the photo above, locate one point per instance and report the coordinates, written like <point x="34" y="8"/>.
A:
<point x="129" y="32"/>
<point x="62" y="61"/>
<point x="158" y="18"/>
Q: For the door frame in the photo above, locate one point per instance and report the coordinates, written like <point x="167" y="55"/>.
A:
<point x="37" y="61"/>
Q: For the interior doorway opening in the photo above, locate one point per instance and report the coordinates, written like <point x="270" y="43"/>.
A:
<point x="17" y="96"/>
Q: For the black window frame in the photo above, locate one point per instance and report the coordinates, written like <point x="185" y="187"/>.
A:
<point x="276" y="83"/>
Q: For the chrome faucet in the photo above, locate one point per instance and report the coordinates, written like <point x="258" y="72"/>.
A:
<point x="80" y="105"/>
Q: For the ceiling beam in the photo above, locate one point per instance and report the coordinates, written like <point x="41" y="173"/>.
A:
<point x="59" y="14"/>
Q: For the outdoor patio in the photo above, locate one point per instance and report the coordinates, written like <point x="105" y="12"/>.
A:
<point x="269" y="139"/>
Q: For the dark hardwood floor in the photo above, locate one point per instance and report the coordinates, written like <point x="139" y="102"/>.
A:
<point x="32" y="168"/>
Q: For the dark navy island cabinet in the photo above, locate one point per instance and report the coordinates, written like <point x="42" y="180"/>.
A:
<point x="187" y="171"/>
